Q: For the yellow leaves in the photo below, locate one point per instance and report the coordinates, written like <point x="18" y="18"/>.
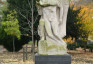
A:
<point x="84" y="9"/>
<point x="87" y="20"/>
<point x="83" y="12"/>
<point x="69" y="40"/>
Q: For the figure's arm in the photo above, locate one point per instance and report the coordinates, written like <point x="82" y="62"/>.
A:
<point x="39" y="8"/>
<point x="61" y="14"/>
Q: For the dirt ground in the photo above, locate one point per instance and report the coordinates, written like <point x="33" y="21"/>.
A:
<point x="78" y="57"/>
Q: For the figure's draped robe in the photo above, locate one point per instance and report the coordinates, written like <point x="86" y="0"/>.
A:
<point x="52" y="28"/>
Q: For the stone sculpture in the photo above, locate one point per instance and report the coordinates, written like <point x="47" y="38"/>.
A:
<point x="52" y="26"/>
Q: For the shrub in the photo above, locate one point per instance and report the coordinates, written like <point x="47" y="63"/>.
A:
<point x="72" y="46"/>
<point x="8" y="43"/>
<point x="90" y="46"/>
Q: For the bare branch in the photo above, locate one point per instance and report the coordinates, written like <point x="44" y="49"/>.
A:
<point x="29" y="5"/>
<point x="36" y="19"/>
<point x="25" y="18"/>
<point x="27" y="30"/>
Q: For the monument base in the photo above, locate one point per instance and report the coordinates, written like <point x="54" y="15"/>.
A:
<point x="52" y="59"/>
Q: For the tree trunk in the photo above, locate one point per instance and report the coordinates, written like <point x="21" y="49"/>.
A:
<point x="75" y="43"/>
<point x="33" y="49"/>
<point x="85" y="44"/>
<point x="13" y="44"/>
<point x="91" y="50"/>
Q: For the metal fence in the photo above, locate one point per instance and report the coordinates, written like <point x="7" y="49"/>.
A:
<point x="27" y="54"/>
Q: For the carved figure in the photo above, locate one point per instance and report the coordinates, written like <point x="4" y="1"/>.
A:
<point x="52" y="26"/>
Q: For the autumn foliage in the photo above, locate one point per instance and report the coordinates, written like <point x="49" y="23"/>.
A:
<point x="86" y="15"/>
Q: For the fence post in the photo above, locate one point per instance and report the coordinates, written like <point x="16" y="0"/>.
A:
<point x="26" y="53"/>
<point x="23" y="54"/>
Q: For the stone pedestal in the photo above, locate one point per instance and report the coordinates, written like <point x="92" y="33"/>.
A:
<point x="52" y="59"/>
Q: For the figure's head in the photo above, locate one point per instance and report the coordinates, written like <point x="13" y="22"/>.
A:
<point x="53" y="2"/>
<point x="46" y="2"/>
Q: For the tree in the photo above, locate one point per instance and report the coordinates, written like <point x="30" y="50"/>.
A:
<point x="87" y="24"/>
<point x="11" y="25"/>
<point x="24" y="13"/>
<point x="86" y="28"/>
<point x="72" y="19"/>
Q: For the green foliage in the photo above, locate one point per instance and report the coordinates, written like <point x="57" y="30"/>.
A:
<point x="90" y="46"/>
<point x="30" y="42"/>
<point x="3" y="7"/>
<point x="2" y="34"/>
<point x="72" y="19"/>
<point x="8" y="43"/>
<point x="80" y="43"/>
<point x="11" y="26"/>
<point x="72" y="46"/>
<point x="23" y="8"/>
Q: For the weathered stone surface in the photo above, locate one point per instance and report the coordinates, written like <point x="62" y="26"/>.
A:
<point x="52" y="26"/>
<point x="50" y="48"/>
<point x="53" y="3"/>
<point x="52" y="59"/>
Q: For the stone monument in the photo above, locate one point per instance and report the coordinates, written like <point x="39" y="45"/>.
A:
<point x="52" y="28"/>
